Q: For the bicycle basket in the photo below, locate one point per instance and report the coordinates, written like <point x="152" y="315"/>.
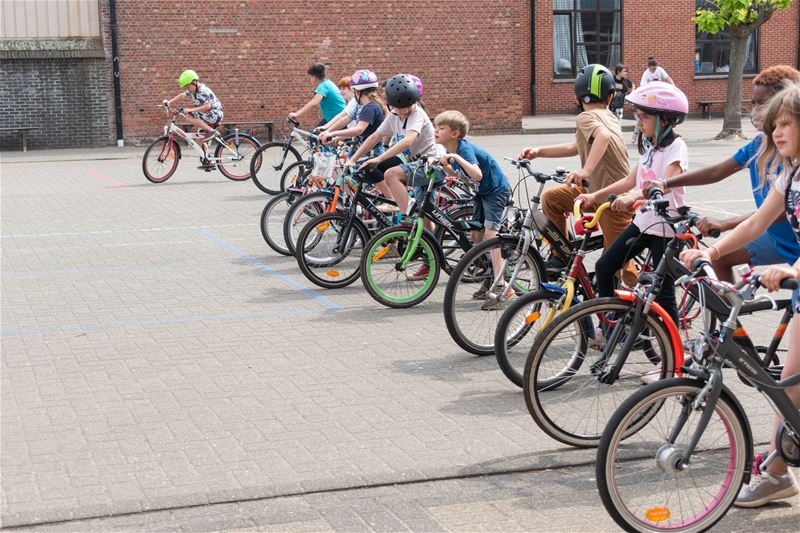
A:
<point x="324" y="164"/>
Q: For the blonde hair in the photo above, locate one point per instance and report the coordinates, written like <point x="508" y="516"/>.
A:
<point x="786" y="102"/>
<point x="374" y="96"/>
<point x="454" y="119"/>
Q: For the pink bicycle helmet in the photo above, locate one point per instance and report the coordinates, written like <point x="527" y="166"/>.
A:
<point x="662" y="99"/>
<point x="417" y="82"/>
<point x="363" y="79"/>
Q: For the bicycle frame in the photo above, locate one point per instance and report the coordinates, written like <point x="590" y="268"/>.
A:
<point x="173" y="130"/>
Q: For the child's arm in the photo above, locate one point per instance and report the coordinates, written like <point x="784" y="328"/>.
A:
<point x="336" y="122"/>
<point x="365" y="147"/>
<point x="199" y="109"/>
<point x="556" y="150"/>
<point x="397" y="147"/>
<point x="358" y="129"/>
<point x="626" y="184"/>
<point x="317" y="98"/>
<point x="601" y="137"/>
<point x="174" y="99"/>
<point x="472" y="170"/>
<point x="700" y="176"/>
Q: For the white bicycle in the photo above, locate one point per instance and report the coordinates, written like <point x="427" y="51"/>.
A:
<point x="232" y="153"/>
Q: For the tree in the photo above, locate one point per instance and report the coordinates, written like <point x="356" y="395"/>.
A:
<point x="741" y="18"/>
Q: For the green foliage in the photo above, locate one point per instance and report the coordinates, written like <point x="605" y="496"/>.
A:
<point x="716" y="15"/>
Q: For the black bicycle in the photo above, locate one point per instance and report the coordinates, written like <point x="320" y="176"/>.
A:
<point x="271" y="160"/>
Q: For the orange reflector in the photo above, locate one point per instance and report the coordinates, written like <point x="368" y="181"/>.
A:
<point x="322" y="227"/>
<point x="657" y="514"/>
<point x="333" y="273"/>
<point x="533" y="317"/>
<point x="380" y="253"/>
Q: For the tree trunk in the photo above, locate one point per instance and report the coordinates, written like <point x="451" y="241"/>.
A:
<point x="732" y="123"/>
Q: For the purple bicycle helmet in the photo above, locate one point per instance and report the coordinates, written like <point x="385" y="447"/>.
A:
<point x="363" y="79"/>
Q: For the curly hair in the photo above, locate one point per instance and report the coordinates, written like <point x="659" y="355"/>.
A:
<point x="776" y="76"/>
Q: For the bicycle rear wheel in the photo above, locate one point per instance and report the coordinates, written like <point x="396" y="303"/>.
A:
<point x="269" y="162"/>
<point x="304" y="209"/>
<point x="470" y="323"/>
<point x="329" y="250"/>
<point x="160" y="160"/>
<point x="562" y="381"/>
<point x="236" y="165"/>
<point x="295" y="175"/>
<point x="641" y="479"/>
<point x="272" y="218"/>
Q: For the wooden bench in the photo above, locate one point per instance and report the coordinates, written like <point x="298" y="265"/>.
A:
<point x="705" y="106"/>
<point x="244" y="127"/>
<point x="23" y="133"/>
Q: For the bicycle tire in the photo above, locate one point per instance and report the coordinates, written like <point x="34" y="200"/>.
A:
<point x="172" y="154"/>
<point x="451" y="249"/>
<point x="378" y="266"/>
<point x="472" y="328"/>
<point x="268" y="164"/>
<point x="521" y="321"/>
<point x="295" y="174"/>
<point x="237" y="170"/>
<point x="574" y="407"/>
<point x="271" y="222"/>
<point x="322" y="262"/>
<point x="714" y="475"/>
<point x="305" y="208"/>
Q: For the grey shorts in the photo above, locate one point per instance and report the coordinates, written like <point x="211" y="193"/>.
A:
<point x="212" y="117"/>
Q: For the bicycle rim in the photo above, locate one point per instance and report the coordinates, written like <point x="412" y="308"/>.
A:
<point x="160" y="161"/>
<point x="305" y="209"/>
<point x="562" y="383"/>
<point x="272" y="159"/>
<point x="638" y="480"/>
<point x="272" y="218"/>
<point x="329" y="250"/>
<point x="389" y="285"/>
<point x="236" y="166"/>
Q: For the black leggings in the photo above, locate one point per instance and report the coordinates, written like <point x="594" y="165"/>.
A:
<point x="376" y="176"/>
<point x="619" y="252"/>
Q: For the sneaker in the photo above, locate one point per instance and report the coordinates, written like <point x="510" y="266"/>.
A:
<point x="480" y="294"/>
<point x="765" y="487"/>
<point x="652" y="376"/>
<point x="598" y="341"/>
<point x="207" y="165"/>
<point x="388" y="209"/>
<point x="420" y="274"/>
<point x="554" y="266"/>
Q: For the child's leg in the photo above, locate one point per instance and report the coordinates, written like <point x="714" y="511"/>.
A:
<point x="393" y="177"/>
<point x="377" y="176"/>
<point x="791" y="366"/>
<point x="613" y="258"/>
<point x="556" y="202"/>
<point x="613" y="223"/>
<point x="665" y="297"/>
<point x="197" y="123"/>
<point x="492" y="208"/>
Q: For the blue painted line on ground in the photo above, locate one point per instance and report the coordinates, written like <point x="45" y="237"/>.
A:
<point x="68" y="328"/>
<point x="266" y="268"/>
<point x="103" y="270"/>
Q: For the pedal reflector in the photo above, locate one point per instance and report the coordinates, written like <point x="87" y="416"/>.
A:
<point x="657" y="514"/>
<point x="533" y="317"/>
<point x="322" y="227"/>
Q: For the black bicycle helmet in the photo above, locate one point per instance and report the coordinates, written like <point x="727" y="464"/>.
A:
<point x="594" y="83"/>
<point x="402" y="91"/>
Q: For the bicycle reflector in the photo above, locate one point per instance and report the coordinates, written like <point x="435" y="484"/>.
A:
<point x="657" y="514"/>
<point x="333" y="273"/>
<point x="533" y="317"/>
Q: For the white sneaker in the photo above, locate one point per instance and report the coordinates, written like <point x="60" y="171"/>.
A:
<point x="598" y="341"/>
<point x="765" y="488"/>
<point x="651" y="376"/>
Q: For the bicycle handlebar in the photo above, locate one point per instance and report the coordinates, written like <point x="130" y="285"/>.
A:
<point x="576" y="210"/>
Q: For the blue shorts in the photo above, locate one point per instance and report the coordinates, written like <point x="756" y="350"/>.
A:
<point x="420" y="191"/>
<point x="489" y="210"/>
<point x="764" y="251"/>
<point x="415" y="177"/>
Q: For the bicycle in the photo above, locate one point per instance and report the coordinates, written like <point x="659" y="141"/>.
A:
<point x="234" y="153"/>
<point x="530" y="232"/>
<point x="273" y="157"/>
<point x="682" y="468"/>
<point x="575" y="376"/>
<point x="402" y="263"/>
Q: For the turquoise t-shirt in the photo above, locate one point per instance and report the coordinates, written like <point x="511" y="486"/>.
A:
<point x="332" y="102"/>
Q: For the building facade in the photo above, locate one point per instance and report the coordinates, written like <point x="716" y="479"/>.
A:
<point x="496" y="61"/>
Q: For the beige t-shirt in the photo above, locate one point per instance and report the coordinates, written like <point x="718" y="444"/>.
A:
<point x="613" y="166"/>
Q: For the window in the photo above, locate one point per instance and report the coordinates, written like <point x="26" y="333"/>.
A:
<point x="585" y="32"/>
<point x="712" y="53"/>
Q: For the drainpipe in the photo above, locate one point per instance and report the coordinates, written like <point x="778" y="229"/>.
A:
<point x="533" y="57"/>
<point x="115" y="66"/>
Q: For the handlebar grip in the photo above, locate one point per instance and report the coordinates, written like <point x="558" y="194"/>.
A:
<point x="655" y="194"/>
<point x="790" y="283"/>
<point x="612" y="197"/>
<point x="715" y="233"/>
<point x="705" y="266"/>
<point x="585" y="183"/>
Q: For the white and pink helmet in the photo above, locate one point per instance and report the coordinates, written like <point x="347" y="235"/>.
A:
<point x="661" y="98"/>
<point x="363" y="79"/>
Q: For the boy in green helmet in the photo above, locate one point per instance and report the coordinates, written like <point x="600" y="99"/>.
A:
<point x="206" y="112"/>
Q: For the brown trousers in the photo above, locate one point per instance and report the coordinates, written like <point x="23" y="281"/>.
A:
<point x="558" y="201"/>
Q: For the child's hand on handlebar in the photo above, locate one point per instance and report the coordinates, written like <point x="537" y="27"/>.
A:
<point x="446" y="162"/>
<point x="623" y="202"/>
<point x="647" y="186"/>
<point x="688" y="257"/>
<point x="349" y="163"/>
<point x="369" y="164"/>
<point x="586" y="199"/>
<point x="707" y="225"/>
<point x="292" y="116"/>
<point x="771" y="278"/>
<point x="528" y="153"/>
<point x="576" y="178"/>
<point x="326" y="138"/>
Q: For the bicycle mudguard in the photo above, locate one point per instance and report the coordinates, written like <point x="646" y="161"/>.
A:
<point x="674" y="334"/>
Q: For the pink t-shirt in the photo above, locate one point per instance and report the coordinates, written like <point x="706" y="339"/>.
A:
<point x="655" y="169"/>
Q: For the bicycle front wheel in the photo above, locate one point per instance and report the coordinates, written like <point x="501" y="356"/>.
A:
<point x="235" y="155"/>
<point x="272" y="218"/>
<point x="305" y="208"/>
<point x="471" y="314"/>
<point x="269" y="162"/>
<point x="160" y="160"/>
<point x="564" y="384"/>
<point x="643" y="481"/>
<point x="384" y="277"/>
<point x="329" y="250"/>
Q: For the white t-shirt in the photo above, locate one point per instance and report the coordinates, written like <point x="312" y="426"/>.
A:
<point x="659" y="75"/>
<point x="417" y="121"/>
<point x="649" y="222"/>
<point x="352" y="108"/>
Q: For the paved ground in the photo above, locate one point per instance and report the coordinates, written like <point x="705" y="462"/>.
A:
<point x="162" y="368"/>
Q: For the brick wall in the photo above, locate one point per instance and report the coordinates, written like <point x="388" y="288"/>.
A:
<point x="469" y="54"/>
<point x="66" y="98"/>
<point x="663" y="30"/>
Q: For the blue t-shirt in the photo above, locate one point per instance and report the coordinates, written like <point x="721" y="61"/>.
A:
<point x="332" y="102"/>
<point x="494" y="181"/>
<point x="781" y="232"/>
<point x="372" y="113"/>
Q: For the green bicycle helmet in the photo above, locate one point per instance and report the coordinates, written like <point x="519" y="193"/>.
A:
<point x="187" y="77"/>
<point x="594" y="83"/>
